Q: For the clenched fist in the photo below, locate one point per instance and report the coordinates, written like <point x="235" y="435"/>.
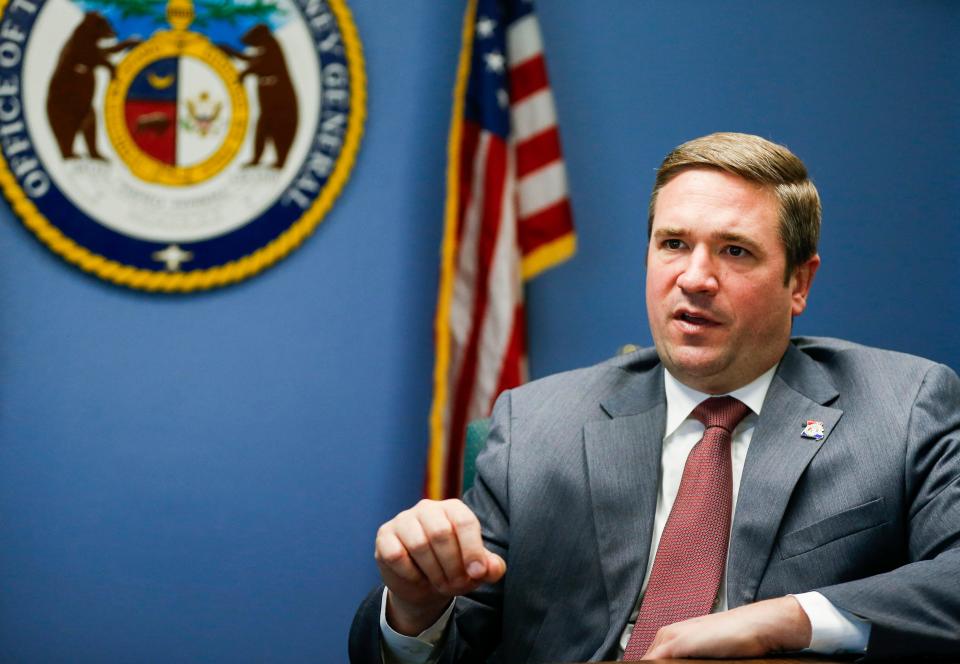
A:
<point x="429" y="554"/>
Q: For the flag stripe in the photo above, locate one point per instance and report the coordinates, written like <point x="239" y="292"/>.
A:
<point x="542" y="189"/>
<point x="468" y="154"/>
<point x="533" y="115"/>
<point x="538" y="151"/>
<point x="540" y="228"/>
<point x="514" y="367"/>
<point x="504" y="286"/>
<point x="524" y="40"/>
<point x="465" y="277"/>
<point x="490" y="225"/>
<point x="528" y="78"/>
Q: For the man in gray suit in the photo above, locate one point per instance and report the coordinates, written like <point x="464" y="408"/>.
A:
<point x="841" y="470"/>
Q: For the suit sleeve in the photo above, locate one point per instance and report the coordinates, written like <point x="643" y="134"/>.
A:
<point x="475" y="627"/>
<point x="916" y="608"/>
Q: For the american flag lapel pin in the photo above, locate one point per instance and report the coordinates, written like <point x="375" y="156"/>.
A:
<point x="813" y="430"/>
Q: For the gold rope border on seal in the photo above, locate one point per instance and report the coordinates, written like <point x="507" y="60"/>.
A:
<point x="241" y="268"/>
<point x="165" y="45"/>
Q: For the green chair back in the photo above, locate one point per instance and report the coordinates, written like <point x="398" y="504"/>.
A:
<point x="476" y="439"/>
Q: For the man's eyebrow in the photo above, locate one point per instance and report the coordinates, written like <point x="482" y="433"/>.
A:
<point x="669" y="231"/>
<point x="736" y="238"/>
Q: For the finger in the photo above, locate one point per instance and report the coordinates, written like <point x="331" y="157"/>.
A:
<point x="658" y="648"/>
<point x="443" y="538"/>
<point x="472" y="552"/>
<point x="392" y="558"/>
<point x="413" y="538"/>
<point x="689" y="638"/>
<point x="657" y="651"/>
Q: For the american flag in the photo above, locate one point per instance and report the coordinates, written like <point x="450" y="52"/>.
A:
<point x="508" y="218"/>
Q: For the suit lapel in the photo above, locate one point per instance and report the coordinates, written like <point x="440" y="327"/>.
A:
<point x="623" y="465"/>
<point x="777" y="457"/>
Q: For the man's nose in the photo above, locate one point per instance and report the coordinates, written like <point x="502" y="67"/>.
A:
<point x="699" y="274"/>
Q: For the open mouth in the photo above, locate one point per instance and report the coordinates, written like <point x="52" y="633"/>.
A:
<point x="692" y="319"/>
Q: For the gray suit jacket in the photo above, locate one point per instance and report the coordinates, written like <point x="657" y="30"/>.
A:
<point x="566" y="491"/>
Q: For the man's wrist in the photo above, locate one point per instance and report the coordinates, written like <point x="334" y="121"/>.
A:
<point x="420" y="649"/>
<point x="411" y="619"/>
<point x="833" y="630"/>
<point x="799" y="630"/>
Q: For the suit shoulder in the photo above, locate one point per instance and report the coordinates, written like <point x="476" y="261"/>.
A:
<point x="597" y="381"/>
<point x="848" y="361"/>
<point x="827" y="348"/>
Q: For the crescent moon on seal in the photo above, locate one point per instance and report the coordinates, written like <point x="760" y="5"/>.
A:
<point x="160" y="82"/>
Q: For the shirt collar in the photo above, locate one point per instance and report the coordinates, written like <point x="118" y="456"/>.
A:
<point x="681" y="399"/>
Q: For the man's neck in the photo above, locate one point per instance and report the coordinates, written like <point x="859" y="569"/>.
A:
<point x="682" y="399"/>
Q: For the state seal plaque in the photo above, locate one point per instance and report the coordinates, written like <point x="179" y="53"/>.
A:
<point x="177" y="145"/>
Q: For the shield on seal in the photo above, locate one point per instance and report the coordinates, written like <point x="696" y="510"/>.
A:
<point x="177" y="111"/>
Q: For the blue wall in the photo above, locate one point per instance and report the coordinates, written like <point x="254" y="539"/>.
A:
<point x="199" y="478"/>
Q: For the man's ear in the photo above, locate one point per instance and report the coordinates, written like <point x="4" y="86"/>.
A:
<point x="801" y="281"/>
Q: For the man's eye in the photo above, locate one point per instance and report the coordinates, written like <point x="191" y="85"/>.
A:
<point x="673" y="244"/>
<point x="737" y="251"/>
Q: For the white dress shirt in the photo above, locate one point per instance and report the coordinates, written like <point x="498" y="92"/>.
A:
<point x="833" y="630"/>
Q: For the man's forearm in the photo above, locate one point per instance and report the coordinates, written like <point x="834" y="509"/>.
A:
<point x="753" y="630"/>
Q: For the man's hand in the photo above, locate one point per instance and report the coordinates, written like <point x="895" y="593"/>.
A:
<point x="774" y="625"/>
<point x="427" y="555"/>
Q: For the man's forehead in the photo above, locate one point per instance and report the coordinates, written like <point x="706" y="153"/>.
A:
<point x="711" y="189"/>
<point x="697" y="178"/>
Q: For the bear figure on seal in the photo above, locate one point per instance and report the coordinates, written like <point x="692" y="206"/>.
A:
<point x="70" y="94"/>
<point x="277" y="98"/>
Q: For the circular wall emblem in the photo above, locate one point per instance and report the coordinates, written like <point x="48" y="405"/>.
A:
<point x="173" y="146"/>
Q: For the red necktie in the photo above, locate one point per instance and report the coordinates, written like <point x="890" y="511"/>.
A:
<point x="693" y="547"/>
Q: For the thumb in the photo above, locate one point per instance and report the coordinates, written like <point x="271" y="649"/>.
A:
<point x="496" y="567"/>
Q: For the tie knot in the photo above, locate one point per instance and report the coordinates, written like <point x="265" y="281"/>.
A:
<point x="723" y="412"/>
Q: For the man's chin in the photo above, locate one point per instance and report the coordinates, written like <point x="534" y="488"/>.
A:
<point x="699" y="368"/>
